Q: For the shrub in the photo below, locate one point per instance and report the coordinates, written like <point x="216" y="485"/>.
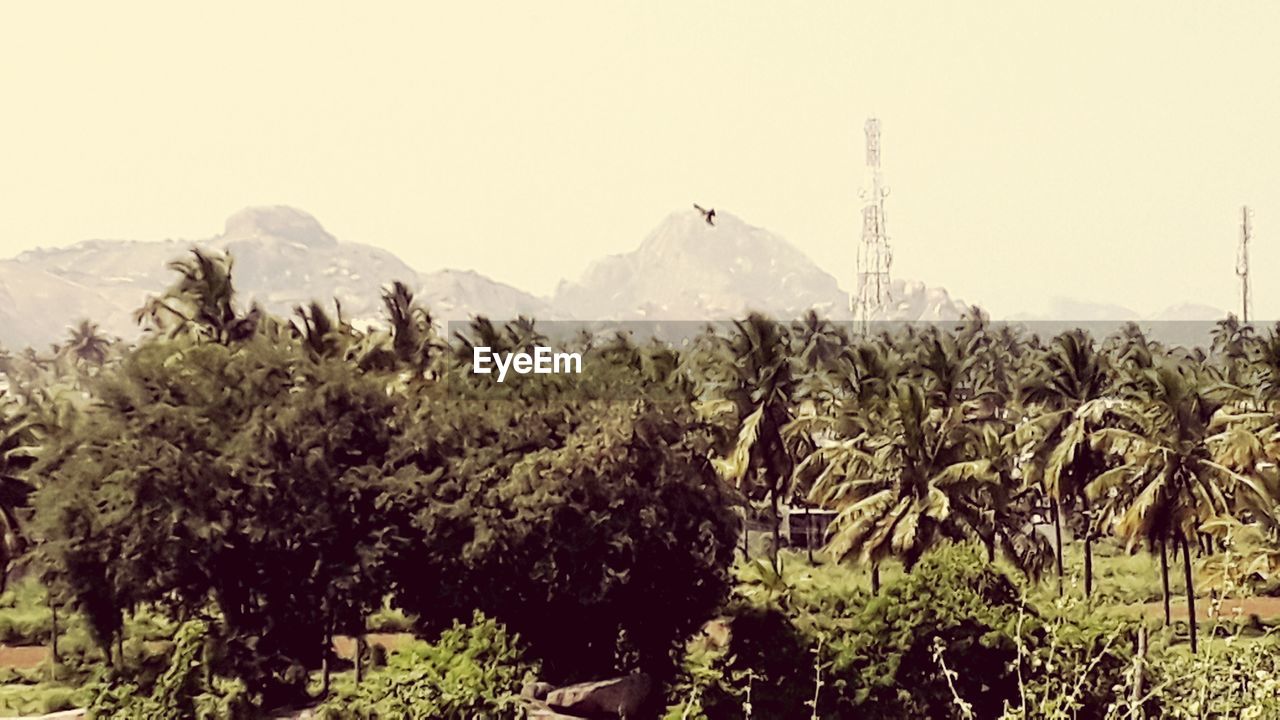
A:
<point x="951" y="637"/>
<point x="471" y="671"/>
<point x="185" y="691"/>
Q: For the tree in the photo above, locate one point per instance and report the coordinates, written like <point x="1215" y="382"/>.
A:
<point x="907" y="484"/>
<point x="244" y="479"/>
<point x="759" y="392"/>
<point x="20" y="438"/>
<point x="579" y="511"/>
<point x="201" y="303"/>
<point x="1067" y="393"/>
<point x="1167" y="483"/>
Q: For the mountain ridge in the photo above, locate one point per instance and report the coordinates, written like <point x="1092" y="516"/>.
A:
<point x="683" y="269"/>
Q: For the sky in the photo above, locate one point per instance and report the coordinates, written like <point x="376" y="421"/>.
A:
<point x="1098" y="151"/>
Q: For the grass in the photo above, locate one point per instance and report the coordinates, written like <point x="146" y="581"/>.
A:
<point x="40" y="699"/>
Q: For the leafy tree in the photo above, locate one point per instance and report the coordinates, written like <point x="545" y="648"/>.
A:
<point x="243" y="478"/>
<point x="582" y="513"/>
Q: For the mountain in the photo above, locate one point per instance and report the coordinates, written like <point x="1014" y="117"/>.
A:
<point x="684" y="269"/>
<point x="687" y="269"/>
<point x="283" y="258"/>
<point x="457" y="295"/>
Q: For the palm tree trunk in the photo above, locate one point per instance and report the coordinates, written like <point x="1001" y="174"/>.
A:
<point x="1088" y="546"/>
<point x="1191" y="589"/>
<point x="53" y="641"/>
<point x="746" y="533"/>
<point x="325" y="663"/>
<point x="1057" y="534"/>
<point x="875" y="578"/>
<point x="1164" y="581"/>
<point x="808" y="533"/>
<point x="360" y="645"/>
<point x="777" y="532"/>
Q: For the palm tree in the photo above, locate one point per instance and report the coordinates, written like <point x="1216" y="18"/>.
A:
<point x="1066" y="395"/>
<point x="905" y="483"/>
<point x="760" y="388"/>
<point x="19" y="440"/>
<point x="1167" y="483"/>
<point x="201" y="302"/>
<point x="85" y="344"/>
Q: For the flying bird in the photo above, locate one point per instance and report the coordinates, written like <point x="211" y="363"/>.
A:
<point x="708" y="215"/>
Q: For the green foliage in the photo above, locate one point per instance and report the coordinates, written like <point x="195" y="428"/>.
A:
<point x="890" y="656"/>
<point x="245" y="475"/>
<point x="185" y="691"/>
<point x="471" y="671"/>
<point x="1234" y="678"/>
<point x="582" y="513"/>
<point x="40" y="699"/>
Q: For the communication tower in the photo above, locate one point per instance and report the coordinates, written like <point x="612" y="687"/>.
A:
<point x="874" y="254"/>
<point x="1242" y="262"/>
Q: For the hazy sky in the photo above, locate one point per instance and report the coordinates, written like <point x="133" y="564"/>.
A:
<point x="1096" y="150"/>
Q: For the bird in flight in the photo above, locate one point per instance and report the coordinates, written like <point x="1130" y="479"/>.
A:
<point x="708" y="215"/>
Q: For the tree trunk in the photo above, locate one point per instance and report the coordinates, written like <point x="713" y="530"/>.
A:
<point x="1164" y="582"/>
<point x="1191" y="590"/>
<point x="808" y="533"/>
<point x="1057" y="535"/>
<point x="746" y="533"/>
<point x="777" y="533"/>
<point x="1088" y="547"/>
<point x="360" y="645"/>
<point x="53" y="641"/>
<point x="325" y="660"/>
<point x="875" y="578"/>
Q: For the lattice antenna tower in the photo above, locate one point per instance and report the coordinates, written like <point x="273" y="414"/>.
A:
<point x="874" y="254"/>
<point x="1242" y="262"/>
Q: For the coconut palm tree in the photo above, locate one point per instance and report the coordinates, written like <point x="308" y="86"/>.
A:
<point x="1066" y="395"/>
<point x="760" y="388"/>
<point x="902" y="485"/>
<point x="201" y="302"/>
<point x="87" y="345"/>
<point x="19" y="441"/>
<point x="1166" y="483"/>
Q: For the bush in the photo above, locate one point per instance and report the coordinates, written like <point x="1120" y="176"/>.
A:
<point x="185" y="691"/>
<point x="25" y="626"/>
<point x="954" y="633"/>
<point x="471" y="671"/>
<point x="39" y="699"/>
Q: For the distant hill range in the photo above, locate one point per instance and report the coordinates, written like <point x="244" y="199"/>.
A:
<point x="684" y="270"/>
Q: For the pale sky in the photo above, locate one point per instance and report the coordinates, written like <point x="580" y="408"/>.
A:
<point x="1099" y="151"/>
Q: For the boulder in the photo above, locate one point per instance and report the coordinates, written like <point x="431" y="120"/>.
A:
<point x="617" y="697"/>
<point x="536" y="690"/>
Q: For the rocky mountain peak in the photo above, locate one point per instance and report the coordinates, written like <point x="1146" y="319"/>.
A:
<point x="278" y="222"/>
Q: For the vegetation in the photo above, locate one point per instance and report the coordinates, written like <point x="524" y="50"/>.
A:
<point x="198" y="515"/>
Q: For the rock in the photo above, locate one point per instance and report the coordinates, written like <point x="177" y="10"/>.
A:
<point x="536" y="690"/>
<point x="618" y="697"/>
<point x="541" y="711"/>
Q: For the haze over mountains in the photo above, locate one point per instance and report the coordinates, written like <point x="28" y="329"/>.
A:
<point x="684" y="269"/>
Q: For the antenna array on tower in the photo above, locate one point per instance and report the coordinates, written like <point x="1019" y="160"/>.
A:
<point x="874" y="254"/>
<point x="1242" y="262"/>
